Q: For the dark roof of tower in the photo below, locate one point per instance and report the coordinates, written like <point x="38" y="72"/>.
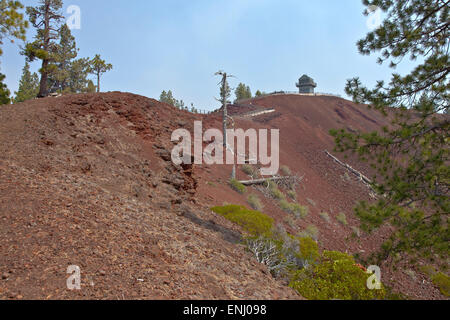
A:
<point x="306" y="81"/>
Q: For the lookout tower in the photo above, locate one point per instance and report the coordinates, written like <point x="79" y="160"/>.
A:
<point x="306" y="84"/>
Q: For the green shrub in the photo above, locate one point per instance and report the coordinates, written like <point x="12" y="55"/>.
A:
<point x="285" y="206"/>
<point x="311" y="202"/>
<point x="309" y="249"/>
<point x="356" y="232"/>
<point x="342" y="218"/>
<point x="310" y="232"/>
<point x="443" y="282"/>
<point x="292" y="194"/>
<point x="346" y="177"/>
<point x="275" y="192"/>
<point x="325" y="216"/>
<point x="428" y="270"/>
<point x="278" y="194"/>
<point x="290" y="221"/>
<point x="290" y="251"/>
<point x="237" y="186"/>
<point x="285" y="170"/>
<point x="289" y="207"/>
<point x="301" y="211"/>
<point x="440" y="279"/>
<point x="253" y="222"/>
<point x="336" y="276"/>
<point x="249" y="170"/>
<point x="254" y="201"/>
<point x="391" y="295"/>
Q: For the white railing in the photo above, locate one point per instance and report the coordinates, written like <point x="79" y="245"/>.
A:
<point x="276" y="93"/>
<point x="312" y="94"/>
<point x="256" y="113"/>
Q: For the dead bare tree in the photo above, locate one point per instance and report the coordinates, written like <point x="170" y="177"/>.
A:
<point x="225" y="93"/>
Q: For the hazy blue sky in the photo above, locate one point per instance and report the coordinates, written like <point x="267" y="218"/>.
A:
<point x="179" y="45"/>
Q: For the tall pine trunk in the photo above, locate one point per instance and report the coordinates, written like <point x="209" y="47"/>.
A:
<point x="98" y="82"/>
<point x="44" y="78"/>
<point x="43" y="92"/>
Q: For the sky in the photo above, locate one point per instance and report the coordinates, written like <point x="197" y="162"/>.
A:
<point x="178" y="45"/>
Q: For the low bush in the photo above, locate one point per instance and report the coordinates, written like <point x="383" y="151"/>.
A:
<point x="303" y="211"/>
<point x="336" y="276"/>
<point x="290" y="221"/>
<point x="294" y="208"/>
<point x="428" y="270"/>
<point x="254" y="202"/>
<point x="310" y="232"/>
<point x="309" y="250"/>
<point x="443" y="282"/>
<point x="440" y="279"/>
<point x="275" y="192"/>
<point x="278" y="194"/>
<point x="356" y="232"/>
<point x="286" y="206"/>
<point x="285" y="170"/>
<point x="237" y="186"/>
<point x="298" y="253"/>
<point x="311" y="202"/>
<point x="253" y="222"/>
<point x="342" y="218"/>
<point x="250" y="170"/>
<point x="325" y="216"/>
<point x="346" y="177"/>
<point x="292" y="194"/>
<point x="332" y="275"/>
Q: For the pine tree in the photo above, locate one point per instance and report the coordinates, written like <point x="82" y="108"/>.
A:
<point x="260" y="94"/>
<point x="28" y="85"/>
<point x="12" y="26"/>
<point x="4" y="92"/>
<point x="163" y="96"/>
<point x="90" y="88"/>
<point x="411" y="156"/>
<point x="65" y="52"/>
<point x="242" y="92"/>
<point x="46" y="18"/>
<point x="167" y="97"/>
<point x="99" y="67"/>
<point x="78" y="72"/>
<point x="12" y="23"/>
<point x="179" y="104"/>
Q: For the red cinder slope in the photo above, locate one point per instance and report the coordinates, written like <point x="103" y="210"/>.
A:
<point x="87" y="180"/>
<point x="304" y="123"/>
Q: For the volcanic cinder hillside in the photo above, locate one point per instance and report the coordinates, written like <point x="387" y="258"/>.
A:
<point x="88" y="180"/>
